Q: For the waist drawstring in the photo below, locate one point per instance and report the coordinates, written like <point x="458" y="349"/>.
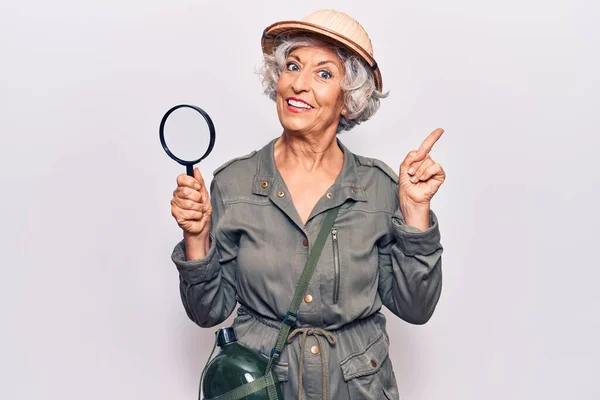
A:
<point x="316" y="332"/>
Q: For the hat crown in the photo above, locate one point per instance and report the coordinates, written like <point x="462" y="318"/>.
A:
<point x="329" y="25"/>
<point x="342" y="24"/>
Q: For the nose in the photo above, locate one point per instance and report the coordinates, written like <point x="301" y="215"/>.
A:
<point x="301" y="81"/>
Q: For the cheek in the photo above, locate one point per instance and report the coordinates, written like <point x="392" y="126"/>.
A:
<point x="279" y="90"/>
<point x="282" y="83"/>
<point x="279" y="85"/>
<point x="331" y="97"/>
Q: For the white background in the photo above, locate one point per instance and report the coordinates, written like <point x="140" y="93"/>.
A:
<point x="90" y="306"/>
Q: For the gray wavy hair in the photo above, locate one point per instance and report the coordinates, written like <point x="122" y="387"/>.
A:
<point x="361" y="98"/>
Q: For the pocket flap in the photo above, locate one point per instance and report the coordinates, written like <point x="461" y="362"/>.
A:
<point x="367" y="361"/>
<point x="280" y="370"/>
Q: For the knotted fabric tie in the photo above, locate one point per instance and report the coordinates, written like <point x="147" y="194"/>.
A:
<point x="316" y="332"/>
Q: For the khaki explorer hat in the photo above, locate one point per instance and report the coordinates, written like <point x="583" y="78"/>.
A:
<point x="332" y="26"/>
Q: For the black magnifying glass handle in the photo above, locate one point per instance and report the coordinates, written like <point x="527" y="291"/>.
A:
<point x="190" y="170"/>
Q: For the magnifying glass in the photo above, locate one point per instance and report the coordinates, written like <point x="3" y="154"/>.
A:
<point x="189" y="130"/>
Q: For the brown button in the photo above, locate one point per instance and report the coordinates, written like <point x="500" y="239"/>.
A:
<point x="264" y="184"/>
<point x="314" y="350"/>
<point x="353" y="190"/>
<point x="308" y="298"/>
<point x="305" y="243"/>
<point x="280" y="194"/>
<point x="373" y="363"/>
<point x="329" y="196"/>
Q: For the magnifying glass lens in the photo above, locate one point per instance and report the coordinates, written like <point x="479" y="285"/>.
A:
<point x="186" y="134"/>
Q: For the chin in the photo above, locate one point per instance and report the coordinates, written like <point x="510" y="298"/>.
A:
<point x="293" y="127"/>
<point x="293" y="123"/>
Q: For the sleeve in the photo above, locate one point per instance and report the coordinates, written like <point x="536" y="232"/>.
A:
<point x="410" y="269"/>
<point x="207" y="286"/>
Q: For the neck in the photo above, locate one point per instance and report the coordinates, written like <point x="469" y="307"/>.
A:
<point x="309" y="153"/>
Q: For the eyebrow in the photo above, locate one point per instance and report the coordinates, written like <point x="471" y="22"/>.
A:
<point x="320" y="62"/>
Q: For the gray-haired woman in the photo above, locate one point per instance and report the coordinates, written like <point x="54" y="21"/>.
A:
<point x="249" y="241"/>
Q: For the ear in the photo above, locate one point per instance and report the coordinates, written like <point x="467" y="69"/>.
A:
<point x="344" y="111"/>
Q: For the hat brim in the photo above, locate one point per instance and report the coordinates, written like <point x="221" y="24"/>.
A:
<point x="290" y="28"/>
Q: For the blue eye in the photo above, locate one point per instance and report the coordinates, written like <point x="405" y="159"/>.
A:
<point x="292" y="66"/>
<point x="324" y="74"/>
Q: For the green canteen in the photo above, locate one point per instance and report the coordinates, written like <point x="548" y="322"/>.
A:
<point x="234" y="366"/>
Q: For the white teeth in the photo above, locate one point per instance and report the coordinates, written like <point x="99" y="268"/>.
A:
<point x="298" y="104"/>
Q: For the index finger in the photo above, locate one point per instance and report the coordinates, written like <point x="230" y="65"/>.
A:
<point x="430" y="140"/>
<point x="188" y="181"/>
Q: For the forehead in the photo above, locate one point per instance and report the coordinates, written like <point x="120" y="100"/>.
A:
<point x="316" y="54"/>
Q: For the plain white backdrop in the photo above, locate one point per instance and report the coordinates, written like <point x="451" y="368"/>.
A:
<point x="89" y="298"/>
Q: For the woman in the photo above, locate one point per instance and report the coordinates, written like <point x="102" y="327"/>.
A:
<point x="249" y="241"/>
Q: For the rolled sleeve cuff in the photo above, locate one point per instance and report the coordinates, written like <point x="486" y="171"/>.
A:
<point x="196" y="271"/>
<point x="413" y="241"/>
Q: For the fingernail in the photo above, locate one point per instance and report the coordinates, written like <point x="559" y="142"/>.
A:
<point x="197" y="186"/>
<point x="413" y="179"/>
<point x="411" y="170"/>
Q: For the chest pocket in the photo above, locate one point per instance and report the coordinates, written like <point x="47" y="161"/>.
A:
<point x="369" y="373"/>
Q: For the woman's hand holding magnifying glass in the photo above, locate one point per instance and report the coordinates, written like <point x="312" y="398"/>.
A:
<point x="192" y="210"/>
<point x="191" y="202"/>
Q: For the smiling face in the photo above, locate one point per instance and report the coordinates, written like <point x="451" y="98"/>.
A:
<point x="309" y="96"/>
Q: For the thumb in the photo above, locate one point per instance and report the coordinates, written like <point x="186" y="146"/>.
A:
<point x="198" y="176"/>
<point x="412" y="157"/>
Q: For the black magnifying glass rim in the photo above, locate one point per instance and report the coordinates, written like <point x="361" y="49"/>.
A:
<point x="211" y="128"/>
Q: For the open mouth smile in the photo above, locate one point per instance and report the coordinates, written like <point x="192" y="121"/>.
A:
<point x="297" y="105"/>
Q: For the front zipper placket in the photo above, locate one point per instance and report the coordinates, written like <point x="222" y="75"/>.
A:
<point x="336" y="265"/>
